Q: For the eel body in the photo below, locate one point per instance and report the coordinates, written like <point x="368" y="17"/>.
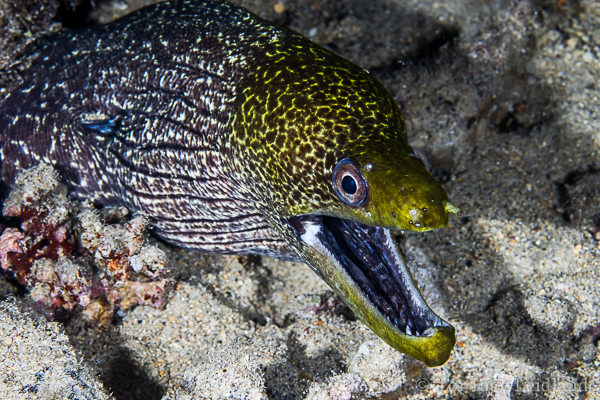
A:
<point x="237" y="136"/>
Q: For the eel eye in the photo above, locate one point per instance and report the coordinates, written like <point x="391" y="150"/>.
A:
<point x="420" y="155"/>
<point x="348" y="183"/>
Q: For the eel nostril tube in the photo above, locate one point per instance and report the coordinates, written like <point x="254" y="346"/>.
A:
<point x="451" y="208"/>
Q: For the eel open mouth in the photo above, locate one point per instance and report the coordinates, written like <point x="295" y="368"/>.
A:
<point x="365" y="267"/>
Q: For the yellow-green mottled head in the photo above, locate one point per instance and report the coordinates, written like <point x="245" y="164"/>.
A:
<point x="326" y="147"/>
<point x="395" y="188"/>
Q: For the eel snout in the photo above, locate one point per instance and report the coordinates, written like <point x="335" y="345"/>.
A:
<point x="364" y="266"/>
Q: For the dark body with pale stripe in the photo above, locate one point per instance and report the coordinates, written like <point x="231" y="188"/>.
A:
<point x="237" y="136"/>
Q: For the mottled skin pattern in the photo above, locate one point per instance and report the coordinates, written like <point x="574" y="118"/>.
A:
<point x="308" y="109"/>
<point x="225" y="130"/>
<point x="172" y="155"/>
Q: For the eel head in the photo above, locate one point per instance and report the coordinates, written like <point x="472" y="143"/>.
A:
<point x="353" y="249"/>
<point x="327" y="145"/>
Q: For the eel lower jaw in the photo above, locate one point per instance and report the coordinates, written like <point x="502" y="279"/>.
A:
<point x="365" y="268"/>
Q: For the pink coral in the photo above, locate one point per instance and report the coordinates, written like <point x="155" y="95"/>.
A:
<point x="11" y="244"/>
<point x="41" y="204"/>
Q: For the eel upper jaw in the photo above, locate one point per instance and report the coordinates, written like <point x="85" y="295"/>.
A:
<point x="364" y="266"/>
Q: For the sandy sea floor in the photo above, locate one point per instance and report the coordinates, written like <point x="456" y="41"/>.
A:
<point x="503" y="97"/>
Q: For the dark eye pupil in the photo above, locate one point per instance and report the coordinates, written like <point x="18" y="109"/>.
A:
<point x="349" y="184"/>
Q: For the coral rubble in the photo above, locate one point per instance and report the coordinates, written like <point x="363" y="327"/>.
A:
<point x="70" y="258"/>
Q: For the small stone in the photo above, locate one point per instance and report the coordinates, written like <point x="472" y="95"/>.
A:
<point x="588" y="57"/>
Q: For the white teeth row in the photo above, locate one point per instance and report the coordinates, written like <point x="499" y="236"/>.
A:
<point x="408" y="331"/>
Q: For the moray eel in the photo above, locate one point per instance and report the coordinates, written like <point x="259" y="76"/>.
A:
<point x="234" y="135"/>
